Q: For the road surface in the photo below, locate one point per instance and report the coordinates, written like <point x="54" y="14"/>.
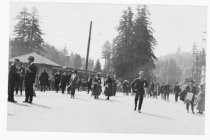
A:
<point x="52" y="111"/>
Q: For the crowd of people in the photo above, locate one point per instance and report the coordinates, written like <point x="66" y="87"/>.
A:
<point x="18" y="75"/>
<point x="190" y="93"/>
<point x="69" y="81"/>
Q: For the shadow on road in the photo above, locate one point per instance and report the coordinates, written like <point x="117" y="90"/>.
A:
<point x="42" y="106"/>
<point x="23" y="105"/>
<point x="163" y="117"/>
<point x="110" y="100"/>
<point x="8" y="114"/>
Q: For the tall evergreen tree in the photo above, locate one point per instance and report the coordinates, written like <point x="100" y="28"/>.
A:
<point x="28" y="35"/>
<point x="106" y="55"/>
<point x="144" y="41"/>
<point x="21" y="28"/>
<point x="123" y="44"/>
<point x="97" y="66"/>
<point x="35" y="39"/>
<point x="77" y="61"/>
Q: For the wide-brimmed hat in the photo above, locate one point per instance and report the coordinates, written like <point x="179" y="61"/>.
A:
<point x="31" y="58"/>
<point x="18" y="60"/>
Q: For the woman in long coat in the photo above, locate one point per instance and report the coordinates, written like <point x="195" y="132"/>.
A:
<point x="108" y="87"/>
<point x="201" y="100"/>
<point x="96" y="86"/>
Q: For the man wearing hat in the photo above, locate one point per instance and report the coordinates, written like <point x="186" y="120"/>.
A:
<point x="13" y="78"/>
<point x="30" y="77"/>
<point x="138" y="86"/>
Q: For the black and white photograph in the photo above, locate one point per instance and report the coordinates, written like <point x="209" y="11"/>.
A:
<point x="106" y="68"/>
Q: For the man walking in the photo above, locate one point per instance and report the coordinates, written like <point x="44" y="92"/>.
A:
<point x="138" y="86"/>
<point x="177" y="90"/>
<point x="30" y="80"/>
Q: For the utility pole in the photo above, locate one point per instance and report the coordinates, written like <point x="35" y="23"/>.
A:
<point x="88" y="48"/>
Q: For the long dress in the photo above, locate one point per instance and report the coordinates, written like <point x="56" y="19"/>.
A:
<point x="201" y="101"/>
<point x="108" y="87"/>
<point x="96" y="86"/>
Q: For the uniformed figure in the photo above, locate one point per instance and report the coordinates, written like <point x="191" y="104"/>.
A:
<point x="177" y="91"/>
<point x="44" y="77"/>
<point x="96" y="86"/>
<point x="13" y="78"/>
<point x="57" y="78"/>
<point x="190" y="88"/>
<point x="108" y="87"/>
<point x="90" y="79"/>
<point x="64" y="81"/>
<point x="30" y="77"/>
<point x="21" y="76"/>
<point x="138" y="86"/>
<point x="73" y="83"/>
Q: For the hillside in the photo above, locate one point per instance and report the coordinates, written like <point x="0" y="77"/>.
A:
<point x="184" y="62"/>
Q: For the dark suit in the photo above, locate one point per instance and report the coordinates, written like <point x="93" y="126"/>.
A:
<point x="138" y="86"/>
<point x="29" y="81"/>
<point x="57" y="77"/>
<point x="177" y="90"/>
<point x="13" y="78"/>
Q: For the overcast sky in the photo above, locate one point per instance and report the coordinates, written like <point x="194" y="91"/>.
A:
<point x="68" y="24"/>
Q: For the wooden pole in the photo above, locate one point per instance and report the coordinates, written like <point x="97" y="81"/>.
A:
<point x="88" y="49"/>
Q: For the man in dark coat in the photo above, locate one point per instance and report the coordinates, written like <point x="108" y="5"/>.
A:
<point x="57" y="78"/>
<point x="177" y="91"/>
<point x="21" y="75"/>
<point x="138" y="86"/>
<point x="30" y="77"/>
<point x="64" y="81"/>
<point x="44" y="77"/>
<point x="13" y="78"/>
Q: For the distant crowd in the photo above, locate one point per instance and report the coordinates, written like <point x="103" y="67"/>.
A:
<point x="70" y="81"/>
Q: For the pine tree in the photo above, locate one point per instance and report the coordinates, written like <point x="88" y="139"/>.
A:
<point x="77" y="61"/>
<point x="106" y="55"/>
<point x="123" y="44"/>
<point x="21" y="28"/>
<point x="97" y="66"/>
<point x="34" y="32"/>
<point x="144" y="42"/>
<point x="28" y="35"/>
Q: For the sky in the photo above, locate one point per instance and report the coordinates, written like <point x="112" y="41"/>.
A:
<point x="67" y="24"/>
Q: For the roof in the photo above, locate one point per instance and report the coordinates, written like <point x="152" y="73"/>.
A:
<point x="38" y="59"/>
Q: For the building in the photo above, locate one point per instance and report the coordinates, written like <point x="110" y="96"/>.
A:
<point x="41" y="62"/>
